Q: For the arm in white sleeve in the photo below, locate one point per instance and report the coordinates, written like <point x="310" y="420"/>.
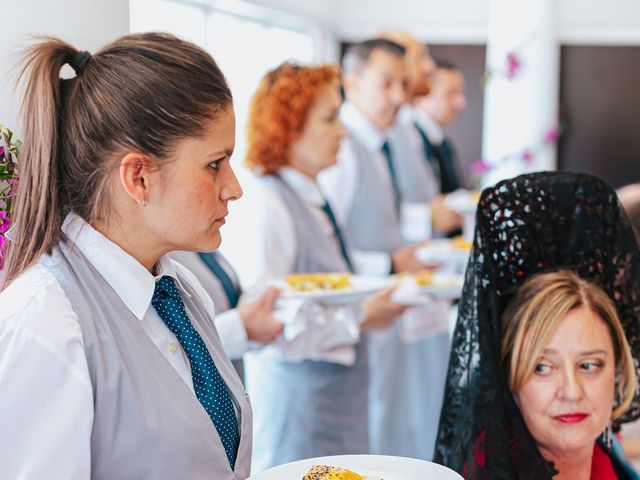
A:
<point x="46" y="405"/>
<point x="371" y="263"/>
<point x="415" y="221"/>
<point x="232" y="332"/>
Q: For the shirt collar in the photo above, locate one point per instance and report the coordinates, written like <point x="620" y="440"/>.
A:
<point x="130" y="280"/>
<point x="361" y="128"/>
<point x="304" y="187"/>
<point x="432" y="130"/>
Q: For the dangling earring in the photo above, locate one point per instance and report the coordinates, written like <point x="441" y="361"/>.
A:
<point x="607" y="437"/>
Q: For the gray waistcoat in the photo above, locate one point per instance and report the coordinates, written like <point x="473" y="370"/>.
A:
<point x="147" y="424"/>
<point x="372" y="222"/>
<point x="416" y="179"/>
<point x="311" y="408"/>
<point x="315" y="251"/>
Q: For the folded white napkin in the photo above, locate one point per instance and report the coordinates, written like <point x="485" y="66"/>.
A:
<point x="317" y="332"/>
<point x="429" y="317"/>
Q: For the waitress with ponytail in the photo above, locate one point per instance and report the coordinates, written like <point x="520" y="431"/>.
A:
<point x="110" y="364"/>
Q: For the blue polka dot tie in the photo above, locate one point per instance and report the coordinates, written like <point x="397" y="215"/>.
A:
<point x="207" y="382"/>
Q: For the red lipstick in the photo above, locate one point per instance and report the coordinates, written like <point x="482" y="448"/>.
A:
<point x="571" y="417"/>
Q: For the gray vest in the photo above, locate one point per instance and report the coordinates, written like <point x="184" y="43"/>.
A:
<point x="416" y="179"/>
<point x="315" y="251"/>
<point x="372" y="222"/>
<point x="310" y="408"/>
<point x="148" y="424"/>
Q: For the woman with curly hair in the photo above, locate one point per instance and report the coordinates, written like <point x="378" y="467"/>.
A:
<point x="309" y="392"/>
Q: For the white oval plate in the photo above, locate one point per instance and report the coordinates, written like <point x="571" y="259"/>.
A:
<point x="362" y="287"/>
<point x="376" y="467"/>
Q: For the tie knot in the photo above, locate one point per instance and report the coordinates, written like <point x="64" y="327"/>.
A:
<point x="167" y="287"/>
<point x="386" y="149"/>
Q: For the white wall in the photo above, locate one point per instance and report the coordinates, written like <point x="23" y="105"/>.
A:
<point x="437" y="21"/>
<point x="465" y="21"/>
<point x="611" y="22"/>
<point x="86" y="24"/>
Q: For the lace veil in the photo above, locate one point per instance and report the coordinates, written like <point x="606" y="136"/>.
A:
<point x="525" y="225"/>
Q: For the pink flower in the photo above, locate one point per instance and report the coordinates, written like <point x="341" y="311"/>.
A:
<point x="552" y="135"/>
<point x="527" y="157"/>
<point x="4" y="226"/>
<point x="4" y="222"/>
<point x="1" y="154"/>
<point x="513" y="66"/>
<point x="479" y="167"/>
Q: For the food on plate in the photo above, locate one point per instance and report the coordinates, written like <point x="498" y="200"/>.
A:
<point x="324" y="472"/>
<point x="308" y="282"/>
<point x="461" y="243"/>
<point x="423" y="278"/>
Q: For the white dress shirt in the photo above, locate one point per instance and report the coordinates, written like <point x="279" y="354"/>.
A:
<point x="46" y="404"/>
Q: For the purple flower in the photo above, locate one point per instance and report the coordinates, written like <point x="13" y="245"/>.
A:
<point x="4" y="226"/>
<point x="527" y="157"/>
<point x="1" y="154"/>
<point x="4" y="223"/>
<point x="552" y="135"/>
<point x="479" y="167"/>
<point x="513" y="66"/>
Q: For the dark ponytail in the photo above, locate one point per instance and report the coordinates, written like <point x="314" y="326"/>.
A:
<point x="39" y="206"/>
<point x="144" y="92"/>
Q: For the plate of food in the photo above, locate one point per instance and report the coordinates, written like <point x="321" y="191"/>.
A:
<point x="444" y="251"/>
<point x="329" y="287"/>
<point x="358" y="467"/>
<point x="422" y="287"/>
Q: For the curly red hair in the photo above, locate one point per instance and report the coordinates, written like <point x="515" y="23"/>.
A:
<point x="279" y="110"/>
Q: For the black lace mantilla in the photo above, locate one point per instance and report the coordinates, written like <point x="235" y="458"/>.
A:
<point x="525" y="225"/>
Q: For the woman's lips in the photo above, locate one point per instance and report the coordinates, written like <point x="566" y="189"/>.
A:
<point x="571" y="417"/>
<point x="221" y="220"/>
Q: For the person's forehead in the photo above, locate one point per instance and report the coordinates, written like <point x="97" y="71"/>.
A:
<point x="383" y="60"/>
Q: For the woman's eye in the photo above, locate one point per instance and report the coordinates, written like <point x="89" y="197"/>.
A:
<point x="215" y="165"/>
<point x="590" y="366"/>
<point x="542" y="368"/>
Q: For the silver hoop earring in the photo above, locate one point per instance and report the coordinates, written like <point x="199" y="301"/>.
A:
<point x="607" y="437"/>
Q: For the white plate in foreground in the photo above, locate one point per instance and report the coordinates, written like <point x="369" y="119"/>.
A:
<point x="376" y="467"/>
<point x="361" y="287"/>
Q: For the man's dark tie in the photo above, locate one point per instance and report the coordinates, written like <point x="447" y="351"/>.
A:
<point x="386" y="150"/>
<point x="208" y="384"/>
<point x="338" y="233"/>
<point x="442" y="162"/>
<point x="231" y="290"/>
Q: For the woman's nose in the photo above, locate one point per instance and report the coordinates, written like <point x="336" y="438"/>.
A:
<point x="570" y="388"/>
<point x="231" y="189"/>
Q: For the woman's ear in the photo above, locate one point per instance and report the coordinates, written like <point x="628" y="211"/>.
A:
<point x="134" y="174"/>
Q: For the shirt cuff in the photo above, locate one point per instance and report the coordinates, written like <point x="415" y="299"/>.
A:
<point x="232" y="333"/>
<point x="371" y="263"/>
<point x="415" y="221"/>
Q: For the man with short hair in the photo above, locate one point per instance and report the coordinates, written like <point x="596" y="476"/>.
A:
<point x="365" y="192"/>
<point x="419" y="179"/>
<point x="435" y="112"/>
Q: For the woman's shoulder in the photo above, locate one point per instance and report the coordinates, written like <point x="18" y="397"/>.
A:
<point x="35" y="304"/>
